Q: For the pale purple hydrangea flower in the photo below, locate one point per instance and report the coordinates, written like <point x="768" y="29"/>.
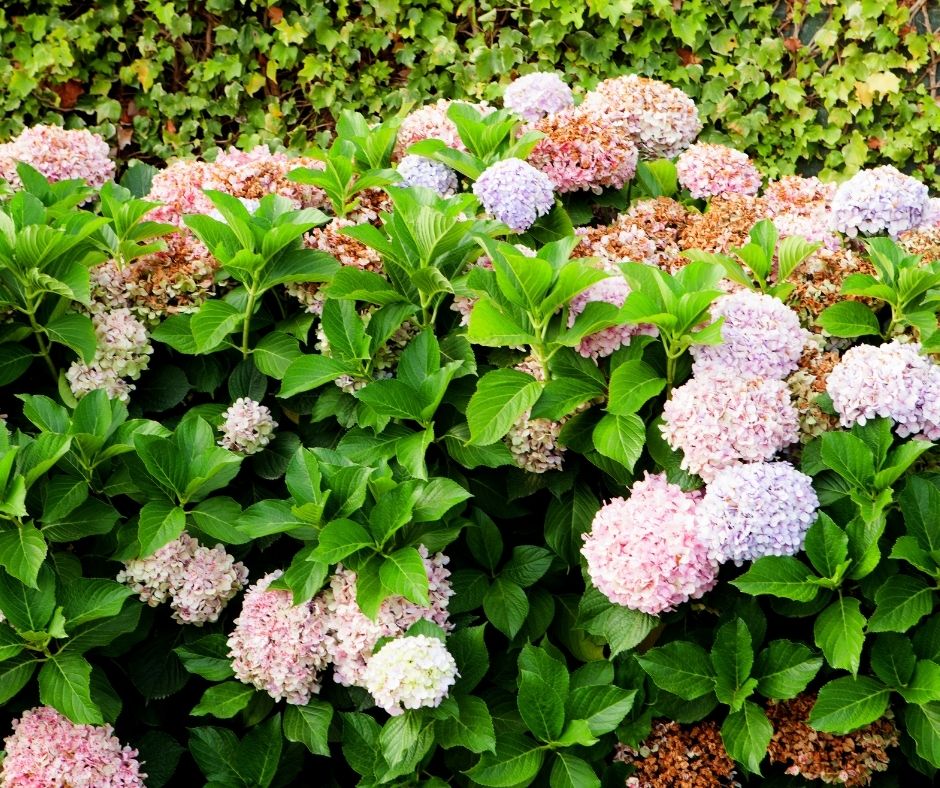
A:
<point x="815" y="227"/>
<point x="612" y="290"/>
<point x="645" y="552"/>
<point x="931" y="216"/>
<point x="277" y="646"/>
<point x="723" y="419"/>
<point x="708" y="170"/>
<point x="247" y="428"/>
<point x="431" y="174"/>
<point x="892" y="381"/>
<point x="59" y="154"/>
<point x="353" y="635"/>
<point x="199" y="581"/>
<point x="410" y="673"/>
<point x="758" y="509"/>
<point x="46" y="750"/>
<point x="879" y="200"/>
<point x="761" y="336"/>
<point x="515" y="192"/>
<point x="534" y="96"/>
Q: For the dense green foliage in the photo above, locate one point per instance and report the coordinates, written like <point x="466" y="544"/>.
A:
<point x="798" y="85"/>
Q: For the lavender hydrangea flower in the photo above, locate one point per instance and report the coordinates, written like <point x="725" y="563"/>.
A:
<point x="759" y="509"/>
<point x="410" y="673"/>
<point x="534" y="96"/>
<point x="761" y="336"/>
<point x="515" y="192"/>
<point x="434" y="175"/>
<point x="879" y="200"/>
<point x="247" y="428"/>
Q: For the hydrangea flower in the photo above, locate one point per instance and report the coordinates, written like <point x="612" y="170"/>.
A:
<point x="722" y="419"/>
<point x="813" y="227"/>
<point x="515" y="193"/>
<point x="707" y="170"/>
<point x="758" y="509"/>
<point x="661" y="120"/>
<point x="410" y="673"/>
<point x="431" y="174"/>
<point x="879" y="200"/>
<point x="580" y="153"/>
<point x="761" y="336"/>
<point x="46" y="750"/>
<point x="645" y="552"/>
<point x="59" y="154"/>
<point x="430" y="122"/>
<point x="534" y="96"/>
<point x="893" y="381"/>
<point x="612" y="290"/>
<point x="277" y="646"/>
<point x="247" y="428"/>
<point x="353" y="635"/>
<point x="799" y="195"/>
<point x="199" y="581"/>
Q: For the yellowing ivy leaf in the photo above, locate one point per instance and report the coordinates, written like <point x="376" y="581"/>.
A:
<point x="883" y="82"/>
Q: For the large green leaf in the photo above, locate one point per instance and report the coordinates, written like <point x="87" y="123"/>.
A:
<point x="22" y="551"/>
<point x="501" y="397"/>
<point x="65" y="684"/>
<point x="847" y="704"/>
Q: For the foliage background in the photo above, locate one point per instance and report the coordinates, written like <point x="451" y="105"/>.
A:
<point x="801" y="86"/>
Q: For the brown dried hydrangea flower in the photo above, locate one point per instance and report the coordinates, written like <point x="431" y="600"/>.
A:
<point x="807" y="383"/>
<point x="819" y="281"/>
<point x="679" y="756"/>
<point x="848" y="760"/>
<point x="726" y="225"/>
<point x="924" y="241"/>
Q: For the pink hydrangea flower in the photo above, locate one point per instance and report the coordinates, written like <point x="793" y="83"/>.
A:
<point x="612" y="290"/>
<point x="707" y="170"/>
<point x="723" y="419"/>
<point x="431" y="122"/>
<point x="795" y="194"/>
<point x="46" y="750"/>
<point x="645" y="552"/>
<point x="410" y="673"/>
<point x="277" y="646"/>
<point x="59" y="154"/>
<point x="815" y="227"/>
<point x="247" y="427"/>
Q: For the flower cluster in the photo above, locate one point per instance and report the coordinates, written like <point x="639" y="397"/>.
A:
<point x="430" y="122"/>
<point x="534" y="96"/>
<point x="763" y="508"/>
<point x="645" y="552"/>
<point x="893" y="381"/>
<point x="46" y="750"/>
<point x="879" y="200"/>
<point x="726" y="225"/>
<point x="661" y="120"/>
<point x="247" y="427"/>
<point x="199" y="581"/>
<point x="410" y="673"/>
<point x="421" y="171"/>
<point x="723" y="419"/>
<point x="848" y="760"/>
<point x="581" y="154"/>
<point x="59" y="154"/>
<point x="123" y="351"/>
<point x="807" y="384"/>
<point x="515" y="192"/>
<point x="760" y="335"/>
<point x="277" y="646"/>
<point x="612" y="290"/>
<point x="708" y="170"/>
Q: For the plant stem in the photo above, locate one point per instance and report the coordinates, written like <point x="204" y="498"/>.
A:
<point x="43" y="345"/>
<point x="246" y="326"/>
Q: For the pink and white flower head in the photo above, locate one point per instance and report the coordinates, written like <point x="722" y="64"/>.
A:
<point x="515" y="192"/>
<point x="661" y="120"/>
<point x="795" y="194"/>
<point x="199" y="581"/>
<point x="758" y="509"/>
<point x="534" y="96"/>
<point x="724" y="419"/>
<point x="761" y="337"/>
<point x="430" y="122"/>
<point x="353" y="635"/>
<point x="410" y="673"/>
<point x="612" y="290"/>
<point x="59" y="154"/>
<point x="277" y="646"/>
<point x="813" y="227"/>
<point x="645" y="552"/>
<point x="880" y="200"/>
<point x="179" y="190"/>
<point x="708" y="170"/>
<point x="892" y="381"/>
<point x="46" y="750"/>
<point x="247" y="428"/>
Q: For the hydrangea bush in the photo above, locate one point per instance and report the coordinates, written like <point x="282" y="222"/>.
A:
<point x="496" y="445"/>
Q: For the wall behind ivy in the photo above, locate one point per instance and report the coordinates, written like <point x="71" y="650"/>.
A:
<point x="802" y="86"/>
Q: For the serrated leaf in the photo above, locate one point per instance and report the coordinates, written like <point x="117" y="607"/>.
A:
<point x="849" y="703"/>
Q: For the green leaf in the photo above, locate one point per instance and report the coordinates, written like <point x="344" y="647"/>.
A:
<point x="15" y="673"/>
<point x="900" y="603"/>
<point x="76" y="332"/>
<point x="781" y="576"/>
<point x="214" y="321"/>
<point x="28" y="609"/>
<point x="543" y="692"/>
<point x="207" y="657"/>
<point x="784" y="669"/>
<point x="569" y="771"/>
<point x="65" y="684"/>
<point x="517" y="761"/>
<point x="257" y="758"/>
<point x="893" y="660"/>
<point x="214" y="750"/>
<point x="923" y="725"/>
<point x="603" y="706"/>
<point x="732" y="658"/>
<point x="840" y="632"/>
<point x="746" y="734"/>
<point x="310" y="372"/>
<point x="403" y="573"/>
<point x="309" y="725"/>
<point x="848" y="456"/>
<point x="491" y="327"/>
<point x="621" y="438"/>
<point x="14" y="361"/>
<point x="631" y="385"/>
<point x="500" y="399"/>
<point x="471" y="727"/>
<point x="160" y="523"/>
<point x="22" y="551"/>
<point x="506" y="606"/>
<point x="621" y="627"/>
<point x="527" y="565"/>
<point x="341" y="538"/>
<point x="827" y="546"/>
<point x="920" y="502"/>
<point x="924" y="686"/>
<point x="681" y="668"/>
<point x="849" y="319"/>
<point x="224" y="700"/>
<point x="88" y="599"/>
<point x="849" y="703"/>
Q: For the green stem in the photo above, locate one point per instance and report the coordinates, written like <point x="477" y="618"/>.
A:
<point x="246" y="327"/>
<point x="43" y="345"/>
